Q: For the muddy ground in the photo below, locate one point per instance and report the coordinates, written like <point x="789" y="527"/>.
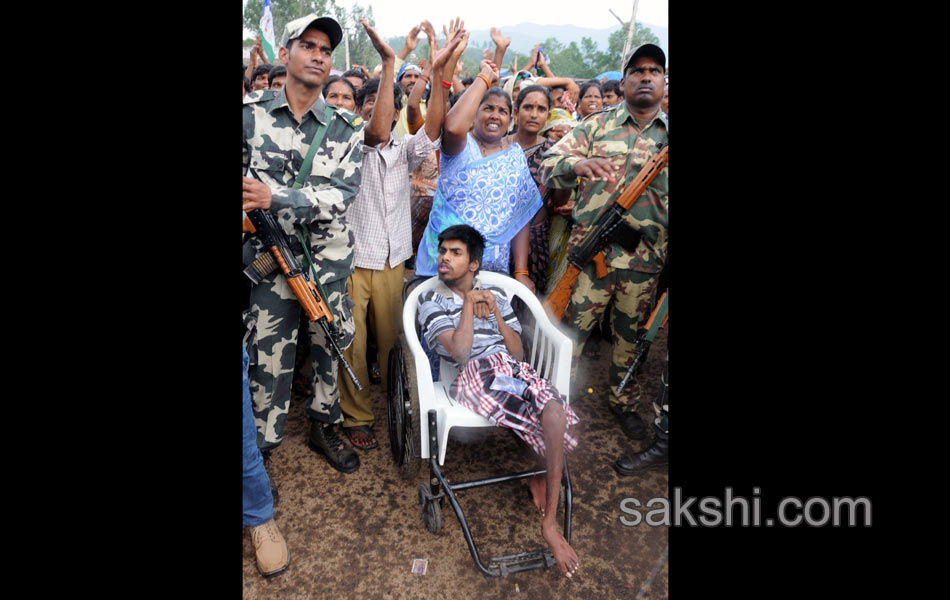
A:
<point x="355" y="536"/>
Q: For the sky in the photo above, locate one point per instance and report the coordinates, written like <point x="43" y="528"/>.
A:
<point x="397" y="17"/>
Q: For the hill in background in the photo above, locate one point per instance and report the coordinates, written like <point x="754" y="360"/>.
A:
<point x="525" y="35"/>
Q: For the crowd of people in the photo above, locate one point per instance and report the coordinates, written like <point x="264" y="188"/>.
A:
<point x="420" y="169"/>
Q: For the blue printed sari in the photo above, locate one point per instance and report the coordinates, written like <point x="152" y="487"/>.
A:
<point x="494" y="194"/>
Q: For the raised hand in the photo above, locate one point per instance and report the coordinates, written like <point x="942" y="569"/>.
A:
<point x="441" y="57"/>
<point x="430" y="34"/>
<point x="533" y="60"/>
<point x="412" y="38"/>
<point x="454" y="26"/>
<point x="385" y="52"/>
<point x="500" y="40"/>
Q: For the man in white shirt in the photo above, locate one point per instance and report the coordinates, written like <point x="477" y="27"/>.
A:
<point x="382" y="229"/>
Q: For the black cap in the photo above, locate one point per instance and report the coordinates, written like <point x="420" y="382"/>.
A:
<point x="648" y="50"/>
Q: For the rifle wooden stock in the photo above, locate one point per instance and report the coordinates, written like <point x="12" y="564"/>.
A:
<point x="592" y="246"/>
<point x="247" y="226"/>
<point x="556" y="303"/>
<point x="307" y="294"/>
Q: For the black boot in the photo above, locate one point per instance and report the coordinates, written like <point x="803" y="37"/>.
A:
<point x="632" y="425"/>
<point x="325" y="440"/>
<point x="655" y="455"/>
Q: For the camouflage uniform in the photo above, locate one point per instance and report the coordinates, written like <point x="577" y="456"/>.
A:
<point x="631" y="276"/>
<point x="278" y="146"/>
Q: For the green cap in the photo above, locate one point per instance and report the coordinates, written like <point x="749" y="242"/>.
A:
<point x="327" y="25"/>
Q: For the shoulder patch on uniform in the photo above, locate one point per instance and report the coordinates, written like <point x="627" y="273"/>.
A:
<point x="352" y="119"/>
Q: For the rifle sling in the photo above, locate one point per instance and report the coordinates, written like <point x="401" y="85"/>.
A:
<point x="314" y="146"/>
<point x="303" y="234"/>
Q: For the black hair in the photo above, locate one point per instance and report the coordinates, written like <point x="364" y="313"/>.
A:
<point x="468" y="81"/>
<point x="533" y="88"/>
<point x="356" y="73"/>
<point x="587" y="85"/>
<point x="468" y="235"/>
<point x="263" y="69"/>
<point x="371" y="87"/>
<point x="247" y="84"/>
<point x="278" y="71"/>
<point x="453" y="98"/>
<point x="496" y="91"/>
<point x="334" y="79"/>
<point x="612" y="85"/>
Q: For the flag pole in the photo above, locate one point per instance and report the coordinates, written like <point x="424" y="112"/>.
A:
<point x="629" y="40"/>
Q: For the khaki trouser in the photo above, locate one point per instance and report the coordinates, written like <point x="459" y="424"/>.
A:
<point x="377" y="294"/>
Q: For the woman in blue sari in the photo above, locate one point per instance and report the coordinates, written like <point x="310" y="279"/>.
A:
<point x="484" y="182"/>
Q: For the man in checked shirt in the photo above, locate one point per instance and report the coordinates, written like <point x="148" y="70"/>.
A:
<point x="473" y="327"/>
<point x="381" y="225"/>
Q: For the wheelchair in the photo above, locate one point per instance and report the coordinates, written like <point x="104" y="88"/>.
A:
<point x="421" y="415"/>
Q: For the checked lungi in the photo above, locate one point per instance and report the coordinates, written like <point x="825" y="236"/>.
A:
<point x="509" y="393"/>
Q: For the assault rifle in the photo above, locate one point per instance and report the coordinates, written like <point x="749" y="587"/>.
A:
<point x="261" y="223"/>
<point x="657" y="319"/>
<point x="608" y="227"/>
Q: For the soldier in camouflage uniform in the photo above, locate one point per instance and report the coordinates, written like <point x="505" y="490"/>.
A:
<point x="279" y="127"/>
<point x="601" y="156"/>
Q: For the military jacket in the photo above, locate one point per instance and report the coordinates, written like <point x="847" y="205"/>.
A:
<point x="614" y="134"/>
<point x="278" y="145"/>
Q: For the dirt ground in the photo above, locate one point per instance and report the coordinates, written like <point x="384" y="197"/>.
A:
<point x="355" y="536"/>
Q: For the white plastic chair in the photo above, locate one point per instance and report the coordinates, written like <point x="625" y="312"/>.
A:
<point x="549" y="355"/>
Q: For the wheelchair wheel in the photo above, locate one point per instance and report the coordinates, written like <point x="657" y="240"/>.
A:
<point x="431" y="509"/>
<point x="405" y="437"/>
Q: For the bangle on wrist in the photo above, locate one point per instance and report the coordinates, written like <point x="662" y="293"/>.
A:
<point x="446" y="84"/>
<point x="484" y="78"/>
<point x="521" y="273"/>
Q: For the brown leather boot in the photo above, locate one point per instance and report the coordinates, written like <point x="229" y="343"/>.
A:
<point x="273" y="557"/>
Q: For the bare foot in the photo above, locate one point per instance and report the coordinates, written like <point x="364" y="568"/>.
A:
<point x="539" y="491"/>
<point x="564" y="555"/>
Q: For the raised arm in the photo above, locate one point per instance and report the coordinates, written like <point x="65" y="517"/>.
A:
<point x="552" y="80"/>
<point x="501" y="45"/>
<point x="252" y="62"/>
<point x="412" y="40"/>
<point x="453" y="66"/>
<point x="377" y="130"/>
<point x="414" y="118"/>
<point x="435" y="109"/>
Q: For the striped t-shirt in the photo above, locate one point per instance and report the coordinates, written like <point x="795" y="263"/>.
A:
<point x="440" y="310"/>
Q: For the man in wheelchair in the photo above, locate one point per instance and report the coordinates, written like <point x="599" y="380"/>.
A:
<point x="475" y="328"/>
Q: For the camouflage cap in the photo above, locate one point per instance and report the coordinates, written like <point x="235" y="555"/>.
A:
<point x="327" y="25"/>
<point x="648" y="50"/>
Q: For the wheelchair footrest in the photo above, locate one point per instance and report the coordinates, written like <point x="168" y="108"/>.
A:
<point x="524" y="561"/>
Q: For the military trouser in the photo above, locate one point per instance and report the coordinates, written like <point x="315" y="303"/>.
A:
<point x="274" y="317"/>
<point x="632" y="293"/>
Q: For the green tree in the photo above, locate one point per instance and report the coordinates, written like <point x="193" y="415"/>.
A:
<point x="642" y="34"/>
